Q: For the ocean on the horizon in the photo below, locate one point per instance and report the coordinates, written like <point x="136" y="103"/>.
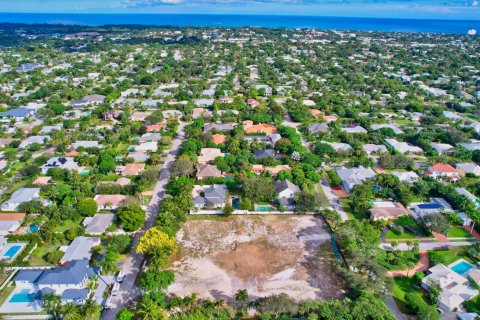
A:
<point x="226" y="20"/>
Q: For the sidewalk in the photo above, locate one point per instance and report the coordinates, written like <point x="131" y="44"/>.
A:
<point x="422" y="265"/>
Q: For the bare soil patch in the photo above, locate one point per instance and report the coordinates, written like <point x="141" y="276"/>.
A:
<point x="263" y="254"/>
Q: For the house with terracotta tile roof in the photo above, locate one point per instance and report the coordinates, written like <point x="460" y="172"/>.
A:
<point x="207" y="171"/>
<point x="258" y="169"/>
<point x="387" y="210"/>
<point x="251" y="128"/>
<point x="330" y="118"/>
<point x="219" y="138"/>
<point x="156" y="127"/>
<point x="253" y="103"/>
<point x="443" y="171"/>
<point x="10" y="222"/>
<point x="130" y="169"/>
<point x="41" y="181"/>
<point x="316" y="113"/>
<point x="109" y="201"/>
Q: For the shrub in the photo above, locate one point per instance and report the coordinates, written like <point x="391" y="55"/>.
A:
<point x="54" y="256"/>
<point x="398" y="230"/>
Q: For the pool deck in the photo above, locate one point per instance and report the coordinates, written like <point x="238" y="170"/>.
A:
<point x="20" y="307"/>
<point x="8" y="246"/>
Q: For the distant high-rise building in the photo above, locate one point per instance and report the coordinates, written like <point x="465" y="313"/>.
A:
<point x="472" y="32"/>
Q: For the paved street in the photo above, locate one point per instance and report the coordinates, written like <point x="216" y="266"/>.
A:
<point x="426" y="246"/>
<point x="133" y="265"/>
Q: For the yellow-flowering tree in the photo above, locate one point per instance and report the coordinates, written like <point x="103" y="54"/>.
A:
<point x="155" y="240"/>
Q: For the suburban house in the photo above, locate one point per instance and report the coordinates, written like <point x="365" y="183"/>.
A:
<point x="201" y="112"/>
<point x="214" y="196"/>
<point x="138" y="156"/>
<point x="374" y="149"/>
<point x="387" y="210"/>
<point x="442" y="148"/>
<point x="471" y="145"/>
<point x="286" y="193"/>
<point x="455" y="287"/>
<point x="79" y="249"/>
<point x="146" y="146"/>
<point x="50" y="129"/>
<point x="258" y="169"/>
<point x="338" y="146"/>
<point x="85" y="144"/>
<point x="209" y="155"/>
<point x="470" y="196"/>
<point x="152" y="136"/>
<point x="207" y="171"/>
<point x="471" y="168"/>
<point x="92" y="99"/>
<point x="251" y="128"/>
<point x="97" y="224"/>
<point x="252" y="103"/>
<point x="33" y="139"/>
<point x="139" y="116"/>
<point x="10" y="222"/>
<point x="156" y="127"/>
<point x="406" y="176"/>
<point x="315" y="128"/>
<point x="435" y="206"/>
<point x="402" y="147"/>
<point x="18" y="114"/>
<point x="20" y="196"/>
<point x="219" y="126"/>
<point x="260" y="154"/>
<point x="69" y="282"/>
<point x="353" y="176"/>
<point x="67" y="163"/>
<point x="395" y="129"/>
<point x="354" y="129"/>
<point x="218" y="138"/>
<point x="443" y="171"/>
<point x="130" y="169"/>
<point x="109" y="201"/>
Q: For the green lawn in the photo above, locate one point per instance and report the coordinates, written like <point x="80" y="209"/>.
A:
<point x="67" y="225"/>
<point x="403" y="260"/>
<point x="405" y="121"/>
<point x="36" y="259"/>
<point x="453" y="254"/>
<point x="405" y="235"/>
<point x="404" y="285"/>
<point x="5" y="293"/>
<point x="405" y="221"/>
<point x="457" y="232"/>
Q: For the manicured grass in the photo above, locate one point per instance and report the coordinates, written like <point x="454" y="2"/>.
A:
<point x="405" y="121"/>
<point x="67" y="225"/>
<point x="348" y="210"/>
<point x="457" y="232"/>
<point x="36" y="259"/>
<point x="403" y="285"/>
<point x="403" y="260"/>
<point x="453" y="254"/>
<point x="407" y="221"/>
<point x="405" y="235"/>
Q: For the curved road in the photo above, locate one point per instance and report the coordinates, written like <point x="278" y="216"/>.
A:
<point x="133" y="265"/>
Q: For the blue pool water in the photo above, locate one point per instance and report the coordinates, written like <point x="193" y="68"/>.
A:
<point x="131" y="148"/>
<point x="264" y="208"/>
<point x="33" y="228"/>
<point x="85" y="172"/>
<point x="23" y="296"/>
<point x="235" y="203"/>
<point x="12" y="251"/>
<point x="461" y="267"/>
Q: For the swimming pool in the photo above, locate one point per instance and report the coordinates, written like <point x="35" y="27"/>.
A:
<point x="264" y="208"/>
<point x="23" y="296"/>
<point x="235" y="203"/>
<point x="12" y="251"/>
<point x="461" y="267"/>
<point x="33" y="228"/>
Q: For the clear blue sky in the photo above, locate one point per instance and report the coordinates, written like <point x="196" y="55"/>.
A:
<point x="443" y="9"/>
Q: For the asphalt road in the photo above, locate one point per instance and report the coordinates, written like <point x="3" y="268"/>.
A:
<point x="133" y="265"/>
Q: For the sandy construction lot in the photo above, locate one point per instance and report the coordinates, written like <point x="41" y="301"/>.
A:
<point x="265" y="255"/>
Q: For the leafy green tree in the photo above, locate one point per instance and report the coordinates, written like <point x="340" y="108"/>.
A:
<point x="154" y="281"/>
<point x="131" y="217"/>
<point x="87" y="207"/>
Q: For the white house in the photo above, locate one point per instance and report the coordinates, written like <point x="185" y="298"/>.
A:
<point x="67" y="163"/>
<point x="20" y="196"/>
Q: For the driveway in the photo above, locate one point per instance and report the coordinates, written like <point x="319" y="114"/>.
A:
<point x="333" y="199"/>
<point x="134" y="263"/>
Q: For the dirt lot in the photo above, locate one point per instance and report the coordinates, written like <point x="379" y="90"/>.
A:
<point x="264" y="254"/>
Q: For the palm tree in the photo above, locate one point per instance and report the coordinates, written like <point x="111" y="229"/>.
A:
<point x="51" y="303"/>
<point x="241" y="297"/>
<point x="149" y="310"/>
<point x="91" y="310"/>
<point x="70" y="312"/>
<point x="219" y="304"/>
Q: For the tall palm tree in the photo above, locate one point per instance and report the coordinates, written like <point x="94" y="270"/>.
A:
<point x="91" y="310"/>
<point x="149" y="310"/>
<point x="51" y="303"/>
<point x="70" y="312"/>
<point x="242" y="297"/>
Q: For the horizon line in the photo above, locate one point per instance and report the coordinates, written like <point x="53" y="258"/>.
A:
<point x="229" y="14"/>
